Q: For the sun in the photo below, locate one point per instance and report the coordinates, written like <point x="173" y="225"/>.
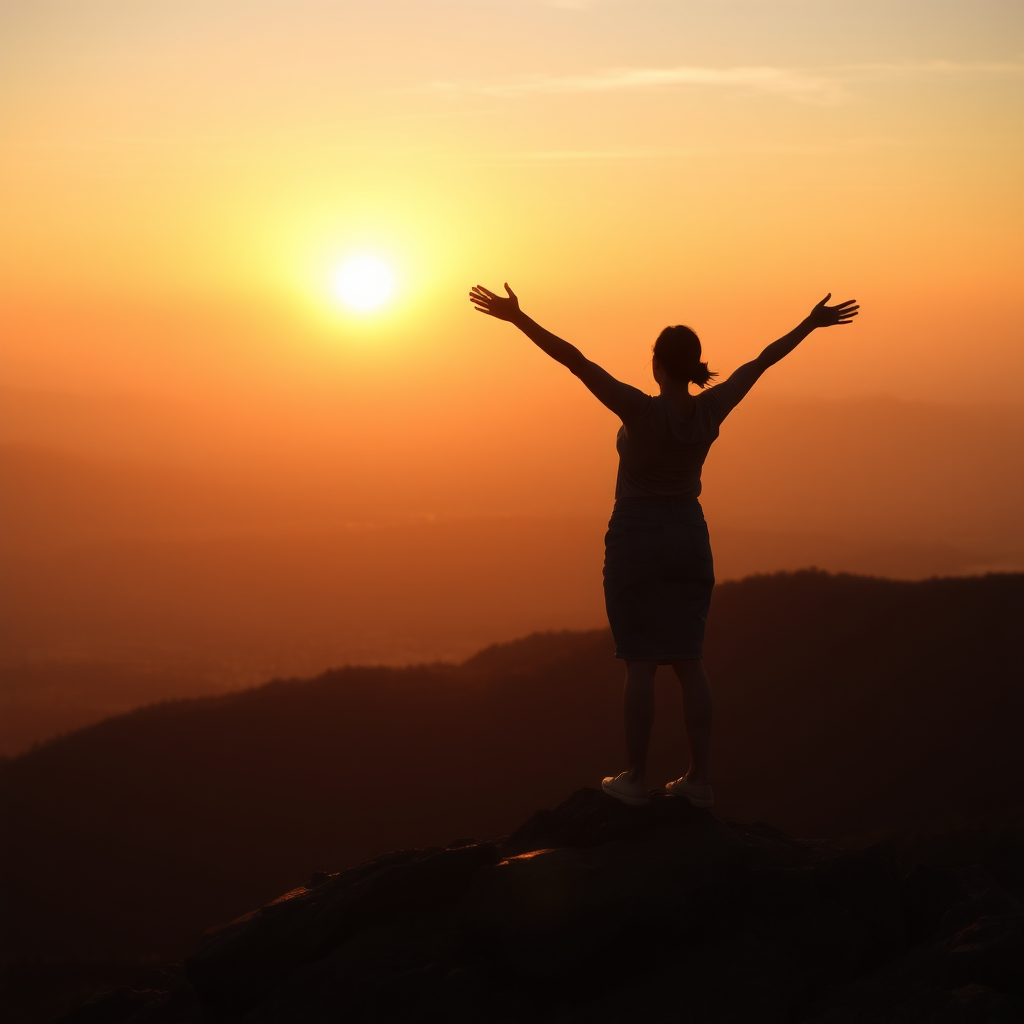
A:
<point x="364" y="283"/>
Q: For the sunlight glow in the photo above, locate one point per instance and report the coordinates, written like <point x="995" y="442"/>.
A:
<point x="364" y="283"/>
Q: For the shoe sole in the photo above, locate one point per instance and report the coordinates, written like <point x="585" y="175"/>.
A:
<point x="695" y="800"/>
<point x="633" y="801"/>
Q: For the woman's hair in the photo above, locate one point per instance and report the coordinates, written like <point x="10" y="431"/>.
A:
<point x="678" y="351"/>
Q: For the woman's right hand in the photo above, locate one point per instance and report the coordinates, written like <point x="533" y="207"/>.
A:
<point x="487" y="302"/>
<point x="830" y="316"/>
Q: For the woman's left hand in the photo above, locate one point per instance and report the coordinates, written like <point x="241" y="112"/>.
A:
<point x="830" y="316"/>
<point x="495" y="305"/>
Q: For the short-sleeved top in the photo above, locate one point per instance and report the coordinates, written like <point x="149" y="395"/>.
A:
<point x="660" y="455"/>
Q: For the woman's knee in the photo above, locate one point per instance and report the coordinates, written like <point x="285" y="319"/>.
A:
<point x="641" y="671"/>
<point x="688" y="668"/>
<point x="642" y="666"/>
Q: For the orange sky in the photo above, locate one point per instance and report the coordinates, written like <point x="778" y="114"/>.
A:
<point x="195" y="434"/>
<point x="180" y="182"/>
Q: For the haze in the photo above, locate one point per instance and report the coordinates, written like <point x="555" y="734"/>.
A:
<point x="213" y="472"/>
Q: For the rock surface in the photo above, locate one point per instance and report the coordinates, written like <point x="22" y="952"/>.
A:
<point x="599" y="912"/>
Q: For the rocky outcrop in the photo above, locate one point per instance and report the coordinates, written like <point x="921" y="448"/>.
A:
<point x="599" y="912"/>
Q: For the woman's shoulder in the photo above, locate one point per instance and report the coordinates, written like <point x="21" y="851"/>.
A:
<point x="714" y="392"/>
<point x="719" y="399"/>
<point x="642" y="405"/>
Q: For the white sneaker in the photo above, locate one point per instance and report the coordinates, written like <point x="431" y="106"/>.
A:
<point x="699" y="794"/>
<point x="633" y="793"/>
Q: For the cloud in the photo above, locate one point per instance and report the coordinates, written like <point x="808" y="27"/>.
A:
<point x="821" y="85"/>
<point x="767" y="79"/>
<point x="819" y="147"/>
<point x="931" y="68"/>
<point x="578" y="155"/>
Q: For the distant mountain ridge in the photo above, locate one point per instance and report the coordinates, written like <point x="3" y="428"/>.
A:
<point x="844" y="705"/>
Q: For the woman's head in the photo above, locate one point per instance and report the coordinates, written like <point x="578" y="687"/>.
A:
<point x="677" y="352"/>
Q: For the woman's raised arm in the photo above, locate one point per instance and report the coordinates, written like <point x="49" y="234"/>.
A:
<point x="744" y="378"/>
<point x="625" y="401"/>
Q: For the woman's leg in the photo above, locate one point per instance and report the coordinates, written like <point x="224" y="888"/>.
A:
<point x="638" y="713"/>
<point x="697" y="715"/>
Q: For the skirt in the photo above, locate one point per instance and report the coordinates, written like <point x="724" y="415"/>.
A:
<point x="658" y="578"/>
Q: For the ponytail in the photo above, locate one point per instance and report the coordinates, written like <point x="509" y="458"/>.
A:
<point x="701" y="375"/>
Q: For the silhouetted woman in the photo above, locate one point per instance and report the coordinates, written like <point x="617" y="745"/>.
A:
<point x="658" y="571"/>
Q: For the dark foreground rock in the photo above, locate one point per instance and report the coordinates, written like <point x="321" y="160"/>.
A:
<point x="598" y="912"/>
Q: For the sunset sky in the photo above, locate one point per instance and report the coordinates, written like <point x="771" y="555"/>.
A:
<point x="181" y="182"/>
<point x="235" y="336"/>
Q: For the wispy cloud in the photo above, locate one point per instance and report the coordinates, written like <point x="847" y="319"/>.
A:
<point x="936" y="68"/>
<point x="820" y="85"/>
<point x="780" y="80"/>
<point x="819" y="147"/>
<point x="576" y="155"/>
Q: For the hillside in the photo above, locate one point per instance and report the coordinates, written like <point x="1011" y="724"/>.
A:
<point x="844" y="705"/>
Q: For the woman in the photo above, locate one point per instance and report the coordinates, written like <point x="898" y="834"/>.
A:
<point x="658" y="571"/>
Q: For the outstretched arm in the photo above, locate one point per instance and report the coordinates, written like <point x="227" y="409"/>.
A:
<point x="744" y="378"/>
<point x="622" y="399"/>
<point x="508" y="309"/>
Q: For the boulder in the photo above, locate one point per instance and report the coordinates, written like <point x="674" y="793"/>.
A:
<point x="598" y="912"/>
